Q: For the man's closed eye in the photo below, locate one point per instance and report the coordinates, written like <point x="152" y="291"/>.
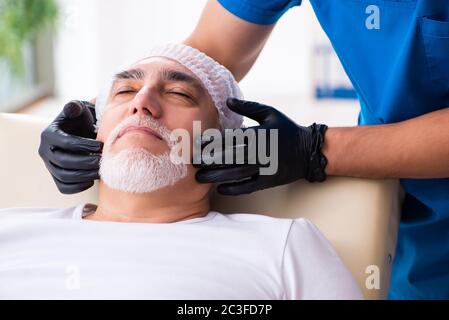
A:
<point x="125" y="91"/>
<point x="180" y="93"/>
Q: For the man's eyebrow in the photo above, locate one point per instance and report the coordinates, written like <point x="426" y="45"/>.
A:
<point x="132" y="74"/>
<point x="179" y="76"/>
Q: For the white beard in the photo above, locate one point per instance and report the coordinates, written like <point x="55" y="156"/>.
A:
<point x="137" y="170"/>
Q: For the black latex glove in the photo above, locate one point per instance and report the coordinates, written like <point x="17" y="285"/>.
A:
<point x="69" y="149"/>
<point x="299" y="154"/>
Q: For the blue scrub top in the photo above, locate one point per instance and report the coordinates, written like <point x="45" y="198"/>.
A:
<point x="396" y="53"/>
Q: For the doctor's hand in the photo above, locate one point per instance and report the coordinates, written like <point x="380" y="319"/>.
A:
<point x="298" y="148"/>
<point x="69" y="149"/>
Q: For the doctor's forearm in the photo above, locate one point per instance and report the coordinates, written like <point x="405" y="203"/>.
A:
<point x="417" y="148"/>
<point x="233" y="42"/>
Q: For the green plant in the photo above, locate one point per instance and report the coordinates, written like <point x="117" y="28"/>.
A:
<point x="20" y="21"/>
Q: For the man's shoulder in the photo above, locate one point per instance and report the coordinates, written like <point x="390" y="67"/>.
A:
<point x="39" y="212"/>
<point x="262" y="224"/>
<point x="254" y="217"/>
<point x="287" y="226"/>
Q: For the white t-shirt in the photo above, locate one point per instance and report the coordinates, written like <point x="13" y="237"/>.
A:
<point x="56" y="254"/>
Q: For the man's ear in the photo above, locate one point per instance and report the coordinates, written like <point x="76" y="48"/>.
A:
<point x="100" y="138"/>
<point x="96" y="128"/>
<point x="100" y="134"/>
<point x="217" y="122"/>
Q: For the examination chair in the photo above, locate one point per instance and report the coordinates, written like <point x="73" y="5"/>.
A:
<point x="360" y="217"/>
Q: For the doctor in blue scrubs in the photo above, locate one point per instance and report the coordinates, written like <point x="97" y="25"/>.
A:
<point x="396" y="53"/>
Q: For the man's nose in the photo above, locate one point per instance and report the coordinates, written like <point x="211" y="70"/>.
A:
<point x="146" y="103"/>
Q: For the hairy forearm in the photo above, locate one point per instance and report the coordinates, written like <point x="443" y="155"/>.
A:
<point x="417" y="148"/>
<point x="233" y="42"/>
<point x="238" y="67"/>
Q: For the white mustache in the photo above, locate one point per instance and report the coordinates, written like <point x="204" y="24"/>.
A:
<point x="142" y="121"/>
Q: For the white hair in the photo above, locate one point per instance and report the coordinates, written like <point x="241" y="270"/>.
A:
<point x="139" y="171"/>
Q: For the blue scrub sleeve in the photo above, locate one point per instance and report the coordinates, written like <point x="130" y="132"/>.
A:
<point x="263" y="12"/>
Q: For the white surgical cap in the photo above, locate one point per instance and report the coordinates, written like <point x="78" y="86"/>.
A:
<point x="218" y="81"/>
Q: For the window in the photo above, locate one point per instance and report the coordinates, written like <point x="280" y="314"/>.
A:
<point x="36" y="81"/>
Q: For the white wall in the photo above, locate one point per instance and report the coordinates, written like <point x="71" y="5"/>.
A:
<point x="96" y="36"/>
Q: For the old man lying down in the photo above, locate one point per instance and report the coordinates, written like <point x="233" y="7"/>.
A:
<point x="152" y="234"/>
